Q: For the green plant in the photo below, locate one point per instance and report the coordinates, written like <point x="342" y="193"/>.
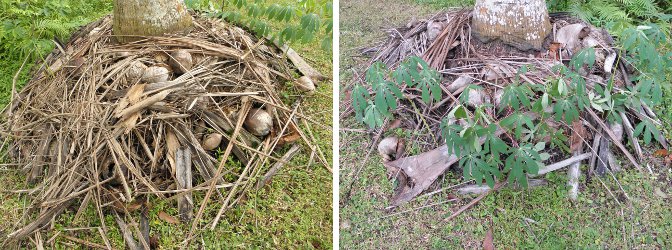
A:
<point x="301" y="23"/>
<point x="473" y="134"/>
<point x="619" y="13"/>
<point x="412" y="72"/>
<point x="33" y="25"/>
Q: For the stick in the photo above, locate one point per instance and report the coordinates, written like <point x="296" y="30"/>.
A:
<point x="479" y="189"/>
<point x="185" y="203"/>
<point x="573" y="174"/>
<point x="562" y="164"/>
<point x="474" y="201"/>
<point x="614" y="139"/>
<point x="126" y="233"/>
<point x="630" y="131"/>
<point x="241" y="116"/>
<point x="142" y="104"/>
<point x="300" y="64"/>
<point x="278" y="165"/>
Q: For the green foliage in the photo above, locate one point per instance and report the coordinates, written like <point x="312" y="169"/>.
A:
<point x="648" y="50"/>
<point x="648" y="129"/>
<point x="619" y="13"/>
<point x="413" y="72"/>
<point x="300" y="23"/>
<point x="566" y="96"/>
<point x="516" y="96"/>
<point x="31" y="26"/>
<point x="585" y="56"/>
<point x="427" y="80"/>
<point x="523" y="160"/>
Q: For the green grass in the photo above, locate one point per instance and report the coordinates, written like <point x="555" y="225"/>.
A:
<point x="538" y="218"/>
<point x="293" y="211"/>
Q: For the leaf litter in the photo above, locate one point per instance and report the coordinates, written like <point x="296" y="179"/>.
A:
<point x="493" y="66"/>
<point x="108" y="125"/>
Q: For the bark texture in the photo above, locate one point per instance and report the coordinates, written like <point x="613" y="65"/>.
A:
<point x="134" y="18"/>
<point x="521" y="23"/>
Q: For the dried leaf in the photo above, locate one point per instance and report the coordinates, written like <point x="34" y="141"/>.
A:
<point x="154" y="242"/>
<point x="660" y="153"/>
<point x="554" y="50"/>
<point x="291" y="137"/>
<point x="660" y="193"/>
<point x="401" y="148"/>
<point x="172" y="144"/>
<point x="132" y="97"/>
<point x="488" y="243"/>
<point x="126" y="208"/>
<point x="396" y="123"/>
<point x="168" y="218"/>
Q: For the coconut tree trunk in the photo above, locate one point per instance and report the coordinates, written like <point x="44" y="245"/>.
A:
<point x="521" y="23"/>
<point x="136" y="18"/>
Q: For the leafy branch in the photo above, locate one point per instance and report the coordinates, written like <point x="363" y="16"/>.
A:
<point x="385" y="84"/>
<point x="300" y="23"/>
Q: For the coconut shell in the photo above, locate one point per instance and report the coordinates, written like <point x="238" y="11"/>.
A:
<point x="156" y="74"/>
<point x="212" y="141"/>
<point x="161" y="57"/>
<point x="258" y="122"/>
<point x="135" y="71"/>
<point x="305" y="84"/>
<point x="181" y="61"/>
<point x="476" y="98"/>
<point x="387" y="148"/>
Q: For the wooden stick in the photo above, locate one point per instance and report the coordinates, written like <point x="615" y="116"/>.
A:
<point x="474" y="201"/>
<point x="126" y="233"/>
<point x="479" y="189"/>
<point x="185" y="203"/>
<point x="142" y="104"/>
<point x="562" y="164"/>
<point x="614" y="139"/>
<point x="278" y="165"/>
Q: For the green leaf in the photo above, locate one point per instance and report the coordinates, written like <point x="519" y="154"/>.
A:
<point x="649" y="131"/>
<point x="516" y="96"/>
<point x="585" y="56"/>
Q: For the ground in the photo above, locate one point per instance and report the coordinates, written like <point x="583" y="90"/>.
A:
<point x="538" y="218"/>
<point x="294" y="211"/>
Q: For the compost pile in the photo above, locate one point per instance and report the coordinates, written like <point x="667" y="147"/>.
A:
<point x="108" y="125"/>
<point x="444" y="41"/>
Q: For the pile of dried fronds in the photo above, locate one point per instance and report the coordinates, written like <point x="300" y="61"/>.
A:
<point x="444" y="42"/>
<point x="108" y="125"/>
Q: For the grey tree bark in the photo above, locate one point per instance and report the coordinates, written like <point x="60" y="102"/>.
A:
<point x="521" y="23"/>
<point x="136" y="18"/>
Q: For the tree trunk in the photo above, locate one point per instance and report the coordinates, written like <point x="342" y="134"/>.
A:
<point x="521" y="23"/>
<point x="136" y="18"/>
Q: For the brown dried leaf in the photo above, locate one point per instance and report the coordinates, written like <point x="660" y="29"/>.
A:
<point x="488" y="243"/>
<point x="291" y="137"/>
<point x="172" y="144"/>
<point x="554" y="50"/>
<point x="401" y="148"/>
<point x="660" y="153"/>
<point x="126" y="208"/>
<point x="168" y="218"/>
<point x="132" y="96"/>
<point x="393" y="125"/>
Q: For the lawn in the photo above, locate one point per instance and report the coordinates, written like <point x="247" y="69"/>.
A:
<point x="538" y="218"/>
<point x="293" y="211"/>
